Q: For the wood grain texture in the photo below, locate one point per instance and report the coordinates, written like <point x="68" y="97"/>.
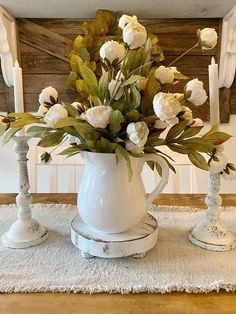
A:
<point x="143" y="303"/>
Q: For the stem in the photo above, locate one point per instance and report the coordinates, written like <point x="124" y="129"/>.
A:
<point x="183" y="54"/>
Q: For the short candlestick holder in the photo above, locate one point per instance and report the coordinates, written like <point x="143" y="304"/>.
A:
<point x="211" y="234"/>
<point x="26" y="231"/>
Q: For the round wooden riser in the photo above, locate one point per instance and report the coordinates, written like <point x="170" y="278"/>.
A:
<point x="134" y="242"/>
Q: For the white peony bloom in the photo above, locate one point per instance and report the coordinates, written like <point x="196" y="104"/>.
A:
<point x="76" y="105"/>
<point x="115" y="90"/>
<point x="126" y="19"/>
<point x="141" y="84"/>
<point x="172" y="121"/>
<point x="48" y="96"/>
<point x="188" y="114"/>
<point x="3" y="125"/>
<point x="179" y="96"/>
<point x="160" y="124"/>
<point x="174" y="70"/>
<point x="54" y="114"/>
<point x="166" y="107"/>
<point x="98" y="116"/>
<point x="45" y="158"/>
<point x="196" y="122"/>
<point x="218" y="162"/>
<point x="231" y="175"/>
<point x="208" y="38"/>
<point x="134" y="35"/>
<point x="164" y="75"/>
<point x="138" y="132"/>
<point x="112" y="51"/>
<point x="133" y="148"/>
<point x="42" y="110"/>
<point x="74" y="140"/>
<point x="198" y="94"/>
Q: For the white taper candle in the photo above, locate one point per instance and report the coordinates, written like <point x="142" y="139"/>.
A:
<point x="214" y="92"/>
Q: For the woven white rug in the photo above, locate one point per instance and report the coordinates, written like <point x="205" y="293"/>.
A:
<point x="173" y="265"/>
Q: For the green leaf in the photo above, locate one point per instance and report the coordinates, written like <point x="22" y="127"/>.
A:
<point x="9" y="134"/>
<point x="115" y="120"/>
<point x="190" y="132"/>
<point x="36" y="131"/>
<point x="198" y="144"/>
<point x="70" y="150"/>
<point x="155" y="140"/>
<point x="214" y="129"/>
<point x="135" y="97"/>
<point x="132" y="116"/>
<point x="87" y="132"/>
<point x="104" y="146"/>
<point x="51" y="139"/>
<point x="217" y="138"/>
<point x="179" y="148"/>
<point x="90" y="79"/>
<point x="131" y="80"/>
<point x="70" y="121"/>
<point x="180" y="76"/>
<point x="22" y="115"/>
<point x="24" y="122"/>
<point x="123" y="153"/>
<point x="198" y="160"/>
<point x="72" y="111"/>
<point x="176" y="130"/>
<point x="103" y="82"/>
<point x="151" y="89"/>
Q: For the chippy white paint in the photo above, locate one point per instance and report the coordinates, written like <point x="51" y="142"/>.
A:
<point x="26" y="231"/>
<point x="135" y="242"/>
<point x="211" y="234"/>
<point x="107" y="201"/>
<point x="8" y="45"/>
<point x="228" y="50"/>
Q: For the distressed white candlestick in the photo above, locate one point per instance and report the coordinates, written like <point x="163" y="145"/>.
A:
<point x="26" y="231"/>
<point x="211" y="234"/>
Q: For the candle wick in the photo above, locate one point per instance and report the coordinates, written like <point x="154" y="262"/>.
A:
<point x="213" y="60"/>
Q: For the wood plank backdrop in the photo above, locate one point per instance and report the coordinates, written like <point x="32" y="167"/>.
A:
<point x="45" y="45"/>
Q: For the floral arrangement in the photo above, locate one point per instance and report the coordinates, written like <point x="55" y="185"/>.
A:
<point x="120" y="107"/>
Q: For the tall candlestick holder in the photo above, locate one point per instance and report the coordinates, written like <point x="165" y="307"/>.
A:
<point x="211" y="234"/>
<point x="26" y="231"/>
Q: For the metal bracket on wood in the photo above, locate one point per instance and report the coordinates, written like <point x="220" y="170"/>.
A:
<point x="228" y="49"/>
<point x="8" y="45"/>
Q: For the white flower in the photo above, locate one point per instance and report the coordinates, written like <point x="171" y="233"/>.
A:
<point x="134" y="35"/>
<point x="112" y="51"/>
<point x="98" y="116"/>
<point x="174" y="70"/>
<point x="166" y="106"/>
<point x="208" y="38"/>
<point x="218" y="162"/>
<point x="133" y="148"/>
<point x="138" y="132"/>
<point x="42" y="110"/>
<point x="179" y="96"/>
<point x="172" y="121"/>
<point x="115" y="90"/>
<point x="187" y="115"/>
<point x="74" y="140"/>
<point x="231" y="175"/>
<point x="48" y="96"/>
<point x="198" y="94"/>
<point x="3" y="125"/>
<point x="45" y="158"/>
<point x="196" y="122"/>
<point x="164" y="75"/>
<point x="160" y="124"/>
<point x="76" y="105"/>
<point x="141" y="84"/>
<point x="126" y="19"/>
<point x="54" y="114"/>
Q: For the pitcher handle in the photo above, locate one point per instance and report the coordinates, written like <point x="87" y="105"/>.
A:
<point x="150" y="197"/>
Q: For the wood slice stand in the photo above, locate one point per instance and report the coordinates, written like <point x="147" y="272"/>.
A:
<point x="134" y="242"/>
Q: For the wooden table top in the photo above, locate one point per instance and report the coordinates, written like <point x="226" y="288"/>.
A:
<point x="65" y="303"/>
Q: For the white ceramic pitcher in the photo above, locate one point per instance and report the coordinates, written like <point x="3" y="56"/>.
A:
<point x="107" y="201"/>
